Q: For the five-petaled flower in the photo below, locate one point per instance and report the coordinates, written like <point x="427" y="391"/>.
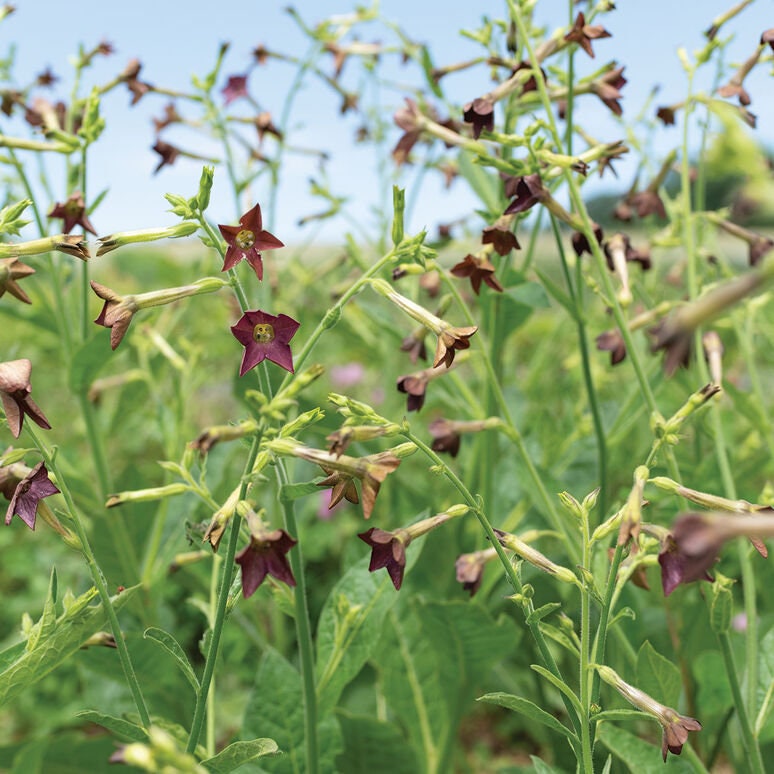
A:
<point x="477" y="270"/>
<point x="247" y="241"/>
<point x="265" y="555"/>
<point x="469" y="568"/>
<point x="265" y="337"/>
<point x="73" y="212"/>
<point x="15" y="391"/>
<point x="235" y="87"/>
<point x="388" y="551"/>
<point x="12" y="269"/>
<point x="582" y="34"/>
<point x="479" y="113"/>
<point x="29" y="492"/>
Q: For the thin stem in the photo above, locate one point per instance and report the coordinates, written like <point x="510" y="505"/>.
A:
<point x="99" y="579"/>
<point x="584" y="677"/>
<point x="754" y="760"/>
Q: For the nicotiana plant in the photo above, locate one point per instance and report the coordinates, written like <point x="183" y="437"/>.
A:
<point x="513" y="614"/>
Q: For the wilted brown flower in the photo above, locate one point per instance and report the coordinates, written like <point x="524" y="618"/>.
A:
<point x="477" y="270"/>
<point x="15" y="389"/>
<point x="11" y="270"/>
<point x="73" y="213"/>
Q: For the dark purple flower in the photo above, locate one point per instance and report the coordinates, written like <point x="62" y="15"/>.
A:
<point x="265" y="555"/>
<point x="235" y="87"/>
<point x="647" y="202"/>
<point x="612" y="342"/>
<point x="500" y="236"/>
<point x="477" y="270"/>
<point x="666" y="115"/>
<point x="479" y="113"/>
<point x="414" y="386"/>
<point x="171" y="116"/>
<point x="679" y="565"/>
<point x="388" y="551"/>
<point x="582" y="34"/>
<point x="445" y="436"/>
<point x="527" y="191"/>
<point x="414" y="344"/>
<point x="767" y="36"/>
<point x="29" y="491"/>
<point x="73" y="212"/>
<point x="15" y="391"/>
<point x="247" y="241"/>
<point x="137" y="87"/>
<point x="608" y="89"/>
<point x="168" y="153"/>
<point x="470" y="568"/>
<point x="265" y="337"/>
<point x="580" y="242"/>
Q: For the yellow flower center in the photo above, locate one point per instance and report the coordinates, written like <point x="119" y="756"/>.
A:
<point x="263" y="333"/>
<point x="245" y="239"/>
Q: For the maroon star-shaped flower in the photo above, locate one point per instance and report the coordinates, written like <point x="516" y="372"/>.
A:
<point x="388" y="551"/>
<point x="479" y="113"/>
<point x="265" y="555"/>
<point x="247" y="241"/>
<point x="477" y="270"/>
<point x="73" y="212"/>
<point x="265" y="337"/>
<point x="29" y="492"/>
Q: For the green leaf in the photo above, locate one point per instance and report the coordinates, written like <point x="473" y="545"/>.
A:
<point x="542" y="611"/>
<point x="172" y="646"/>
<point x="621" y="714"/>
<point x="237" y="753"/>
<point x="88" y="359"/>
<point x="559" y="685"/>
<point x="765" y="680"/>
<point x="430" y="659"/>
<point x="657" y="676"/>
<point x="123" y="729"/>
<point x="518" y="302"/>
<point x="54" y="642"/>
<point x="541" y="767"/>
<point x="530" y="710"/>
<point x="365" y="734"/>
<point x="639" y="756"/>
<point x="485" y="185"/>
<point x="349" y="627"/>
<point x="275" y="708"/>
<point x="557" y="293"/>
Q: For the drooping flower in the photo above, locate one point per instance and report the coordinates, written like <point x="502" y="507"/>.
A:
<point x="29" y="492"/>
<point x="73" y="212"/>
<point x="389" y="551"/>
<point x="582" y="34"/>
<point x="500" y="236"/>
<point x="608" y="89"/>
<point x="526" y="191"/>
<point x="612" y="342"/>
<point x="12" y="269"/>
<point x="479" y="113"/>
<point x="171" y="116"/>
<point x="265" y="555"/>
<point x="265" y="337"/>
<point x="236" y="87"/>
<point x="675" y="725"/>
<point x="414" y="344"/>
<point x="15" y="389"/>
<point x="477" y="270"/>
<point x="168" y="153"/>
<point x="409" y="119"/>
<point x="247" y="241"/>
<point x="137" y="87"/>
<point x="469" y="568"/>
<point x="580" y="242"/>
<point x="446" y="437"/>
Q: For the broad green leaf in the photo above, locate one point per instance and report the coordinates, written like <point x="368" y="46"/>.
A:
<point x="541" y="767"/>
<point x="620" y="714"/>
<point x="349" y="626"/>
<point x="55" y="641"/>
<point x="289" y="492"/>
<point x="658" y="676"/>
<point x="530" y="710"/>
<point x="430" y="659"/>
<point x="172" y="646"/>
<point x="639" y="756"/>
<point x="518" y="302"/>
<point x="239" y="753"/>
<point x="557" y="293"/>
<point x="713" y="694"/>
<point x="275" y="709"/>
<point x="124" y="729"/>
<point x="765" y="682"/>
<point x="365" y="734"/>
<point x="29" y="760"/>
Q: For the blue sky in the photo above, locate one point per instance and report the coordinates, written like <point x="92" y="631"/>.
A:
<point x="175" y="40"/>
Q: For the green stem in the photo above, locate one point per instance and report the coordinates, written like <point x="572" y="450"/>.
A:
<point x="600" y="641"/>
<point x="510" y="570"/>
<point x="99" y="579"/>
<point x="220" y="610"/>
<point x="754" y="760"/>
<point x="584" y="677"/>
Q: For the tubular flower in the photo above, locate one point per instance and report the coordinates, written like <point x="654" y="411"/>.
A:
<point x="479" y="113"/>
<point x="29" y="492"/>
<point x="247" y="241"/>
<point x="236" y="87"/>
<point x="675" y="726"/>
<point x="265" y="337"/>
<point x="608" y="89"/>
<point x="15" y="391"/>
<point x="469" y="568"/>
<point x="500" y="236"/>
<point x="612" y="342"/>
